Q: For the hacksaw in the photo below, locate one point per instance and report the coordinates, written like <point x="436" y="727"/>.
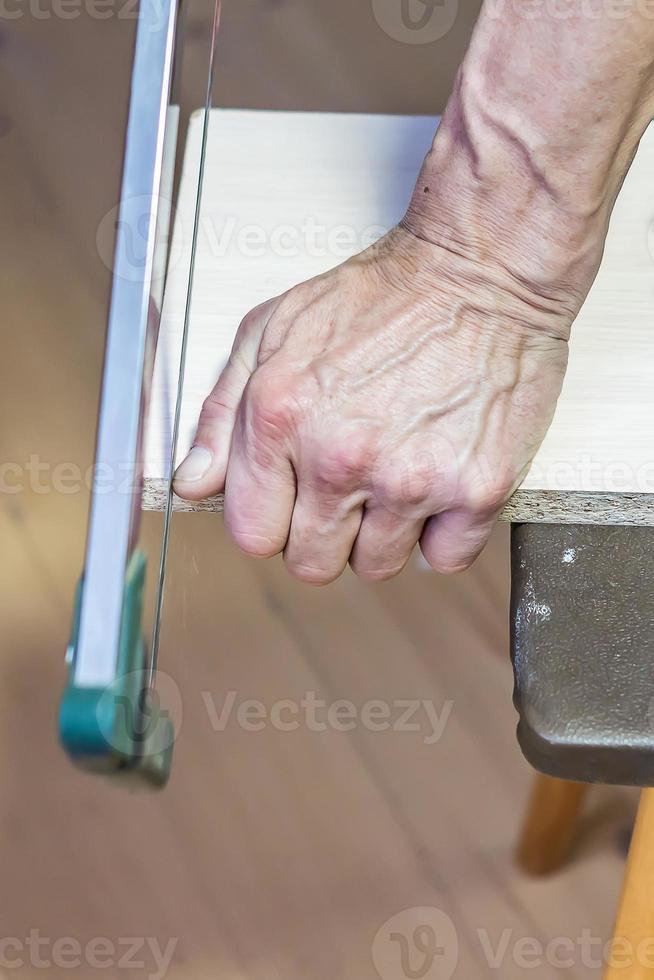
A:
<point x="111" y="719"/>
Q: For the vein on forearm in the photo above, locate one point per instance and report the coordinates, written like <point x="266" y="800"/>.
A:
<point x="539" y="132"/>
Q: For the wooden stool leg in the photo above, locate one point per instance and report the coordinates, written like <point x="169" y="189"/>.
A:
<point x="549" y="825"/>
<point x="632" y="954"/>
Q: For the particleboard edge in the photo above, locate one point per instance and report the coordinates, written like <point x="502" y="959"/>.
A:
<point x="576" y="507"/>
<point x="526" y="506"/>
<point x="155" y="495"/>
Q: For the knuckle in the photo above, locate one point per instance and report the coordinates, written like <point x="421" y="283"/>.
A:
<point x="344" y="462"/>
<point x="273" y="405"/>
<point x="250" y="533"/>
<point x="310" y="574"/>
<point x="217" y="403"/>
<point x="417" y="484"/>
<point x="486" y="500"/>
<point x="403" y="485"/>
<point x="257" y="545"/>
<point x="249" y="320"/>
<point x="253" y="319"/>
<point x="450" y="564"/>
<point x="371" y="574"/>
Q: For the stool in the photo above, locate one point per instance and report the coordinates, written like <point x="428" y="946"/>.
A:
<point x="582" y="629"/>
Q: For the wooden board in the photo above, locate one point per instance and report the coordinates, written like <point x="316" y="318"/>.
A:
<point x="290" y="195"/>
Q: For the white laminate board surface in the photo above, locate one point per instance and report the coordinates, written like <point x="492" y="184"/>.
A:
<point x="289" y="195"/>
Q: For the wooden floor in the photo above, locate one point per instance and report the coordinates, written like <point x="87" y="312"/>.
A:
<point x="273" y="855"/>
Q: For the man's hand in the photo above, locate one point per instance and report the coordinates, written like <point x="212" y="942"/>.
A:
<point x="397" y="399"/>
<point x="401" y="397"/>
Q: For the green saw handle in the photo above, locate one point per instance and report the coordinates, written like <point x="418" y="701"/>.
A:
<point x="119" y="730"/>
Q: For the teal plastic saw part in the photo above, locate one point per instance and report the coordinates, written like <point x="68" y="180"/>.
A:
<point x="119" y="730"/>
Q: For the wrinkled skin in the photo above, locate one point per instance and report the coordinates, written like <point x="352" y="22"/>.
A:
<point x="401" y="397"/>
<point x="397" y="399"/>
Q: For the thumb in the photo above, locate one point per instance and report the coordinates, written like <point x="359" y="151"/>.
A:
<point x="202" y="473"/>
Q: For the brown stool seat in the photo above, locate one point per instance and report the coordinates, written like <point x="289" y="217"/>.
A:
<point x="582" y="617"/>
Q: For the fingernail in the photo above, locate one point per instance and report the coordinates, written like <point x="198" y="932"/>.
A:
<point x="195" y="465"/>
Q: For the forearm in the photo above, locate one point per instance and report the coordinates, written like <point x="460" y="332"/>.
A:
<point x="545" y="116"/>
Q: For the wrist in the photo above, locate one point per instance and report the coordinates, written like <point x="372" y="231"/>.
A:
<point x="506" y="221"/>
<point x="534" y="145"/>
